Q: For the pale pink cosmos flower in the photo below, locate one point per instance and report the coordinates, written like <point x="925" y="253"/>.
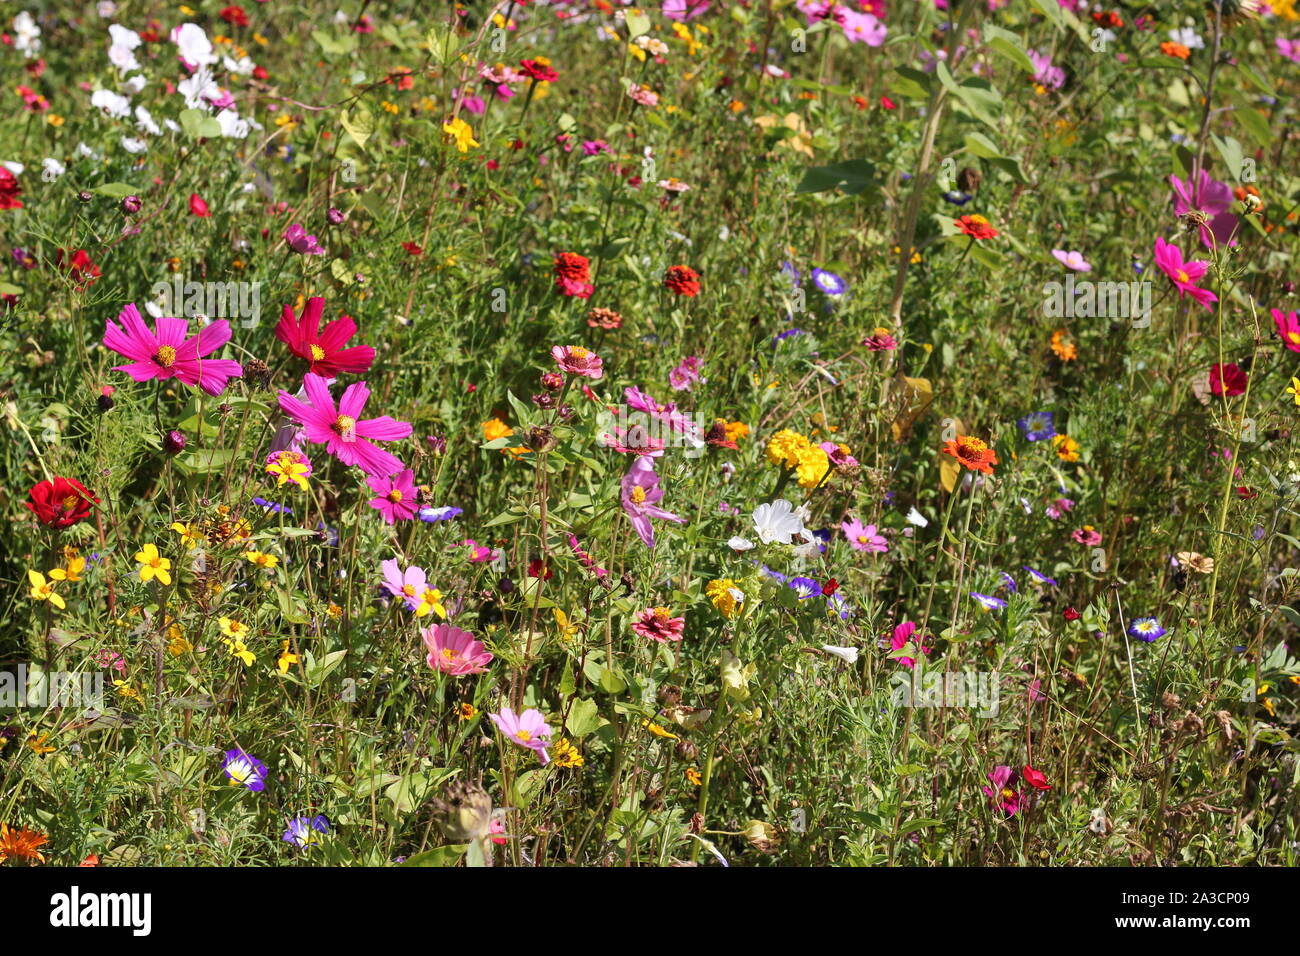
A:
<point x="454" y="651"/>
<point x="407" y="585"/>
<point x="478" y="553"/>
<point x="528" y="729"/>
<point x="641" y="495"/>
<point x="168" y="353"/>
<point x="1072" y="259"/>
<point x="864" y="537"/>
<point x="577" y="360"/>
<point x="395" y="496"/>
<point x="342" y="430"/>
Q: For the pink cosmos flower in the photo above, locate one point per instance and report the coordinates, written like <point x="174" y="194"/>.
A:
<point x="1058" y="508"/>
<point x="407" y="585"/>
<point x="528" y="729"/>
<point x="864" y="537"/>
<point x="1227" y="379"/>
<point x="641" y="497"/>
<point x="478" y="553"/>
<point x="903" y="635"/>
<point x="1184" y="275"/>
<point x="168" y="353"/>
<point x="658" y="624"/>
<point x="1288" y="48"/>
<point x="395" y="496"/>
<point x="1212" y="198"/>
<point x="301" y="242"/>
<point x="837" y="455"/>
<point x="1003" y="793"/>
<point x="454" y="651"/>
<point x="668" y="414"/>
<point x="684" y="9"/>
<point x="1072" y="260"/>
<point x="342" y="430"/>
<point x="1288" y="326"/>
<point x="863" y="28"/>
<point x="576" y="360"/>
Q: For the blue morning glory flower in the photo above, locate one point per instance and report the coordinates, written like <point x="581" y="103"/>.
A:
<point x="445" y="513"/>
<point x="829" y="283"/>
<point x="272" y="506"/>
<point x="1038" y="426"/>
<point x="805" y="588"/>
<point x="304" y="832"/>
<point x="245" y="770"/>
<point x="989" y="603"/>
<point x="840" y="607"/>
<point x="1039" y="576"/>
<point x="956" y="198"/>
<point x="1010" y="582"/>
<point x="1146" y="629"/>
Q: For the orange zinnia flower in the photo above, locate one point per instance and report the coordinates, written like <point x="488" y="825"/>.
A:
<point x="977" y="227"/>
<point x="21" y="844"/>
<point x="1175" y="49"/>
<point x="972" y="453"/>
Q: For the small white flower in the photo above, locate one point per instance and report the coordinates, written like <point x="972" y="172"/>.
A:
<point x="134" y="84"/>
<point x="737" y="543"/>
<point x="1188" y="37"/>
<point x="123" y="58"/>
<point x="15" y="168"/>
<point x="848" y="655"/>
<point x="52" y="169"/>
<point x="113" y="104"/>
<point x="26" y="34"/>
<point x="85" y="152"/>
<point x="915" y="517"/>
<point x="133" y="145"/>
<point x="144" y="120"/>
<point x="777" y="522"/>
<point x="193" y="44"/>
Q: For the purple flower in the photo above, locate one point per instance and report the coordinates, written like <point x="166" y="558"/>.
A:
<point x="1212" y="198"/>
<point x="1146" y="629"/>
<point x="245" y="770"/>
<point x="301" y="242"/>
<point x="304" y="832"/>
<point x="988" y="603"/>
<point x="641" y="495"/>
<point x="1039" y="576"/>
<point x="1037" y="426"/>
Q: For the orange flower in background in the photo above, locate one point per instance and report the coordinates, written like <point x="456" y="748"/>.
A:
<point x="1175" y="49"/>
<point x="1065" y="349"/>
<point x="976" y="226"/>
<point x="21" y="844"/>
<point x="972" y="453"/>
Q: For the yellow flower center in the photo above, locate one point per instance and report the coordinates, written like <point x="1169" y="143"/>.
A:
<point x="317" y="353"/>
<point x="1294" y="337"/>
<point x="863" y="539"/>
<point x="408" y="590"/>
<point x="395" y="495"/>
<point x="345" y="426"/>
<point x="638" y="495"/>
<point x="166" y="356"/>
<point x="577" y="351"/>
<point x="1183" y="276"/>
<point x="523" y="735"/>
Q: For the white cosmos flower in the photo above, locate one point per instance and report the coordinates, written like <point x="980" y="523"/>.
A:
<point x="144" y="120"/>
<point x="738" y="543"/>
<point x="193" y="45"/>
<point x="848" y="655"/>
<point x="232" y="126"/>
<point x="134" y="84"/>
<point x="197" y="88"/>
<point x="777" y="521"/>
<point x="85" y="152"/>
<point x="915" y="517"/>
<point x="241" y="67"/>
<point x="27" y="35"/>
<point x="114" y="104"/>
<point x="123" y="58"/>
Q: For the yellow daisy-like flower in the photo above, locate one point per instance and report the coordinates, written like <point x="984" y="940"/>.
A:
<point x="232" y="628"/>
<point x="564" y="754"/>
<point x="659" y="731"/>
<point x="568" y="629"/>
<point x="693" y="776"/>
<point x="431" y="601"/>
<point x="289" y="466"/>
<point x="72" y="571"/>
<point x="286" y="658"/>
<point x="176" y="641"/>
<point x="240" y="650"/>
<point x="466" y="711"/>
<point x="722" y="592"/>
<point x="495" y="428"/>
<point x="461" y="134"/>
<point x="153" y="566"/>
<point x="1067" y="449"/>
<point x="191" y="536"/>
<point x="262" y="560"/>
<point x="43" y="590"/>
<point x="1294" y="390"/>
<point x="21" y="844"/>
<point x="37" y="743"/>
<point x="125" y="689"/>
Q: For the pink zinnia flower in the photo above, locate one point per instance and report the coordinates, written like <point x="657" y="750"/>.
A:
<point x="1003" y="793"/>
<point x="528" y="729"/>
<point x="864" y="537"/>
<point x="684" y="9"/>
<point x="454" y="651"/>
<point x="1087" y="535"/>
<point x="342" y="430"/>
<point x="1212" y="198"/>
<point x="168" y="353"/>
<point x="658" y="624"/>
<point x="1184" y="275"/>
<point x="641" y="497"/>
<point x="903" y="635"/>
<point x="1288" y="326"/>
<point x="301" y="242"/>
<point x="576" y="360"/>
<point x="395" y="496"/>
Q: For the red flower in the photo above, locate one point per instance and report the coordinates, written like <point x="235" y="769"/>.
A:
<point x="977" y="227"/>
<point x="887" y="103"/>
<point x="1070" y="614"/>
<point x="539" y="71"/>
<point x="1227" y="378"/>
<point x="537" y="569"/>
<point x="1036" y="778"/>
<point x="197" y="206"/>
<point x="413" y="248"/>
<point x="9" y="190"/>
<point x="83" y="271"/>
<point x="683" y="280"/>
<point x="235" y="16"/>
<point x="573" y="275"/>
<point x="60" y="503"/>
<point x="323" y="348"/>
<point x="830" y="587"/>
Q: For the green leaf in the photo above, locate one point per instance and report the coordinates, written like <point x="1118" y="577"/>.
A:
<point x="442" y="856"/>
<point x="1008" y="44"/>
<point x="910" y="83"/>
<point x="442" y="46"/>
<point x="1050" y="9"/>
<point x="584" y="718"/>
<point x="850" y="177"/>
<point x="197" y="124"/>
<point x="118" y="190"/>
<point x="360" y="124"/>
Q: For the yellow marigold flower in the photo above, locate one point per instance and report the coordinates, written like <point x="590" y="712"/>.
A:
<point x="43" y="590"/>
<point x="784" y="447"/>
<point x="461" y="134"/>
<point x="153" y="566"/>
<point x="54" y="119"/>
<point x="736" y="430"/>
<point x="495" y="428"/>
<point x="467" y="711"/>
<point x="1065" y="350"/>
<point x="1067" y="449"/>
<point x="812" y="466"/>
<point x="564" y="754"/>
<point x="334" y="611"/>
<point x="722" y="592"/>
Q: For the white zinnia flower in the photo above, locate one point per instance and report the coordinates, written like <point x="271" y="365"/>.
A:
<point x="777" y="522"/>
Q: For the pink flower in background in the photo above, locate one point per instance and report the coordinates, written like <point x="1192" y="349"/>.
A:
<point x="1212" y="198"/>
<point x="528" y="729"/>
<point x="864" y="537"/>
<point x="1052" y="77"/>
<point x="407" y="585"/>
<point x="1288" y="327"/>
<point x="658" y="624"/>
<point x="903" y="635"/>
<point x="1003" y="794"/>
<point x="301" y="242"/>
<point x="1288" y="48"/>
<point x="454" y="651"/>
<point x="198" y="207"/>
<point x="1058" y="508"/>
<point x="342" y="430"/>
<point x="685" y="375"/>
<point x="477" y="553"/>
<point x="1072" y="260"/>
<point x="168" y="353"/>
<point x="395" y="496"/>
<point x="863" y="28"/>
<point x="1184" y="275"/>
<point x="577" y="360"/>
<point x="682" y="10"/>
<point x="1087" y="535"/>
<point x="641" y="497"/>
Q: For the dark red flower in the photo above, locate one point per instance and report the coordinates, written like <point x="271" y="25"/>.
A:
<point x="197" y="206"/>
<point x="538" y="70"/>
<point x="1227" y="378"/>
<point x="323" y="348"/>
<point x="60" y="503"/>
<point x="830" y="587"/>
<point x="83" y="271"/>
<point x="235" y="16"/>
<point x="1070" y="614"/>
<point x="537" y="569"/>
<point x="413" y="248"/>
<point x="682" y="280"/>
<point x="9" y="190"/>
<point x="1036" y="779"/>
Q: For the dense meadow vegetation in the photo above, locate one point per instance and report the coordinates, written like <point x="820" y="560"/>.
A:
<point x="706" y="433"/>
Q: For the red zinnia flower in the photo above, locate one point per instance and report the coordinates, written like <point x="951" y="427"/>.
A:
<point x="573" y="275"/>
<point x="197" y="206"/>
<point x="235" y="16"/>
<point x="972" y="453"/>
<point x="682" y="280"/>
<point x="323" y="348"/>
<point x="977" y="227"/>
<point x="538" y="70"/>
<point x="9" y="190"/>
<point x="60" y="503"/>
<point x="1036" y="778"/>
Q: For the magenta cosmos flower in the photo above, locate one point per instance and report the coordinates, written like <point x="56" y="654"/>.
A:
<point x="864" y="537"/>
<point x="342" y="430"/>
<point x="903" y="635"/>
<point x="454" y="651"/>
<point x="641" y="497"/>
<point x="1184" y="275"/>
<point x="1003" y="794"/>
<point x="1212" y="198"/>
<point x="395" y="496"/>
<point x="528" y="729"/>
<point x="576" y="360"/>
<point x="1288" y="326"/>
<point x="168" y="353"/>
<point x="301" y="242"/>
